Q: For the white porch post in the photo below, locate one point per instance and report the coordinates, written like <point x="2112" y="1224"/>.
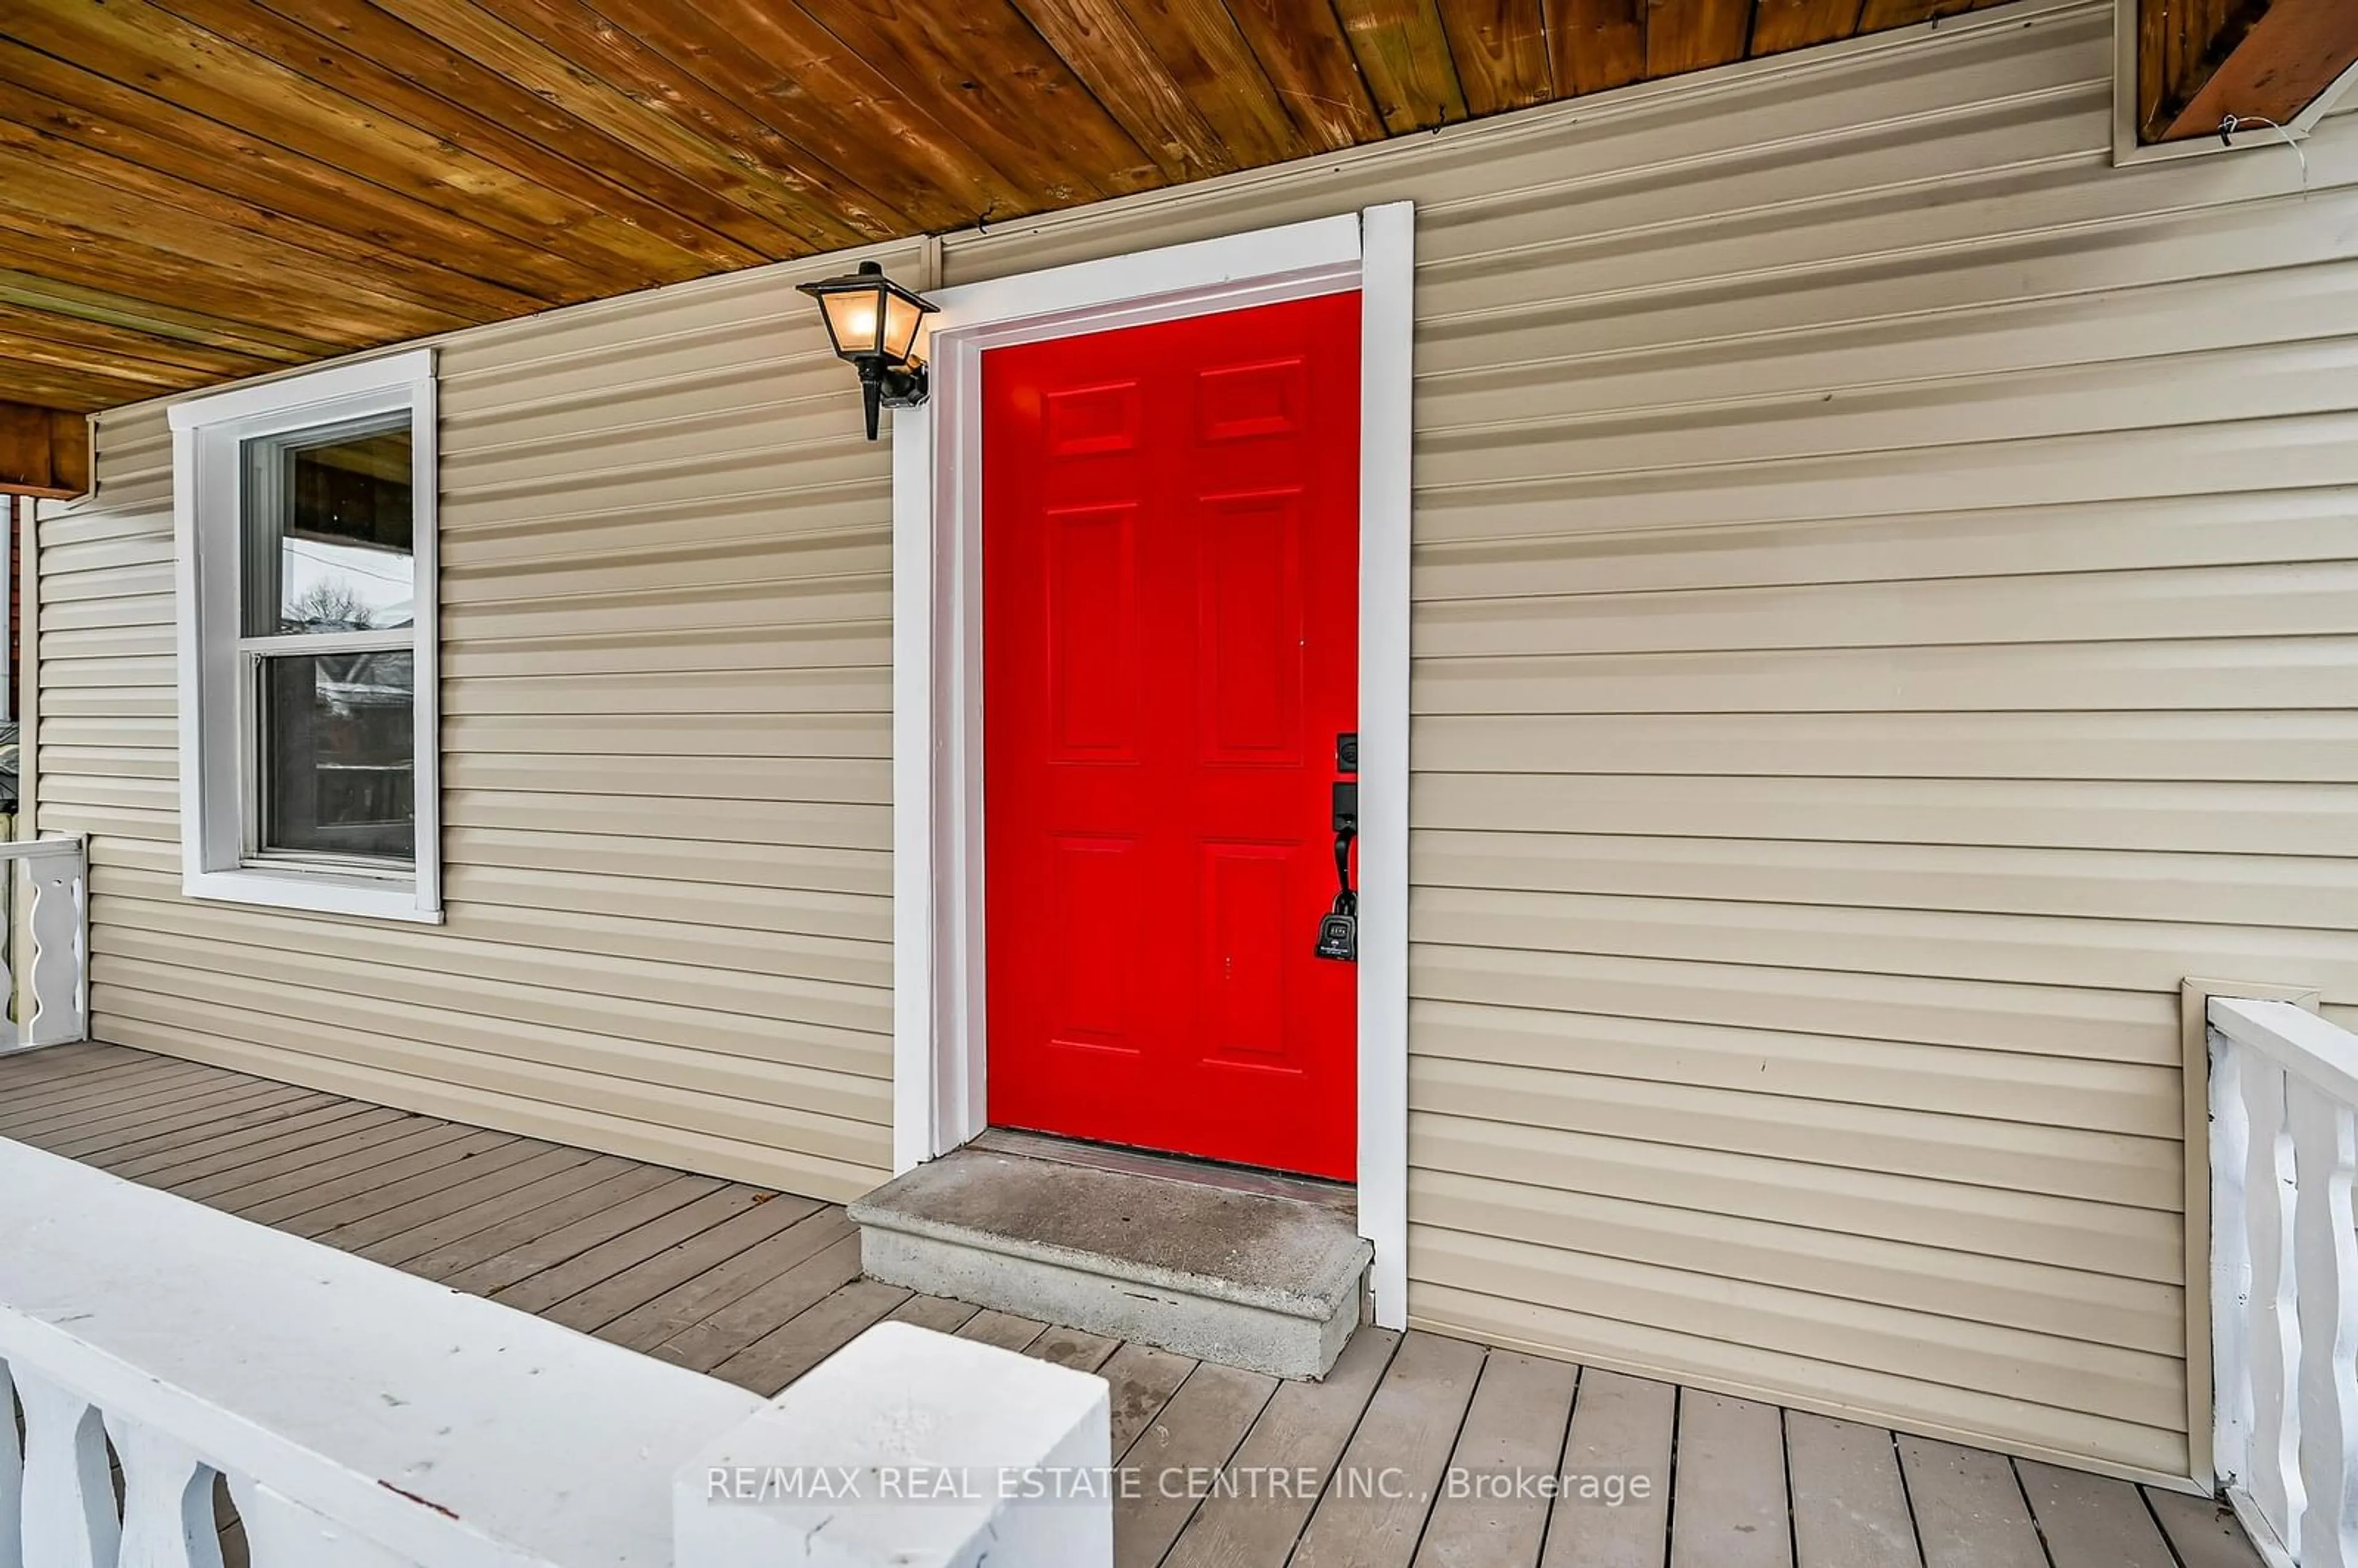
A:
<point x="913" y="1449"/>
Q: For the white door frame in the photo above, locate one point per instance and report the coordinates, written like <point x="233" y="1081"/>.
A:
<point x="938" y="1049"/>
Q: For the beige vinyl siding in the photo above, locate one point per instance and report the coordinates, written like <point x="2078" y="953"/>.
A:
<point x="666" y="748"/>
<point x="1884" y="615"/>
<point x="1885" y="612"/>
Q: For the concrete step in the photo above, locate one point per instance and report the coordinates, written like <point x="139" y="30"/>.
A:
<point x="1271" y="1284"/>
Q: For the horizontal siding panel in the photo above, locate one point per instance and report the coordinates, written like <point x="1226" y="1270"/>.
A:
<point x="2281" y="819"/>
<point x="737" y="696"/>
<point x="1585" y="371"/>
<point x="1474" y="500"/>
<point x="2170" y="534"/>
<point x="728" y="822"/>
<point x="2128" y="1243"/>
<point x="595" y="979"/>
<point x="2306" y="599"/>
<point x="2063" y="1021"/>
<point x="2141" y="1173"/>
<point x="673" y="778"/>
<point x="2066" y="1303"/>
<point x="2148" y="955"/>
<point x="850" y="917"/>
<point x="785" y="1100"/>
<point x="477" y="576"/>
<point x="860" y="736"/>
<point x="2281" y="748"/>
<point x="2249" y="678"/>
<point x="581" y="536"/>
<point x="776" y="648"/>
<point x="675" y="859"/>
<point x="1978" y="1081"/>
<point x="2242" y="890"/>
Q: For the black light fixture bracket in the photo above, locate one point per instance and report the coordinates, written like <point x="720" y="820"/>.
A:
<point x="883" y="385"/>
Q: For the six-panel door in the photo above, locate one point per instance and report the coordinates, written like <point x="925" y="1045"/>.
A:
<point x="1170" y="651"/>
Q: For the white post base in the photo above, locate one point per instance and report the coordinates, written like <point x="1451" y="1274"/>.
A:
<point x="913" y="1449"/>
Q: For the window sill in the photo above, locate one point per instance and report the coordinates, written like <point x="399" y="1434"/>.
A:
<point x="319" y="892"/>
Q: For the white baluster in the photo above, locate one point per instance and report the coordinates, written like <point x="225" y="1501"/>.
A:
<point x="168" y="1501"/>
<point x="53" y="1013"/>
<point x="282" y="1533"/>
<point x="2273" y="1346"/>
<point x="2325" y="1242"/>
<point x="2231" y="1266"/>
<point x="70" y="1519"/>
<point x="12" y="1477"/>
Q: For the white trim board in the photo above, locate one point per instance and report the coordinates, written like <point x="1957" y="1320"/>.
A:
<point x="939" y="1052"/>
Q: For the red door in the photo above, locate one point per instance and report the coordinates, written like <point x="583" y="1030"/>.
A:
<point x="1169" y="650"/>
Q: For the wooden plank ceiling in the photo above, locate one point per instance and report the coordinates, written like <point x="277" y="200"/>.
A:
<point x="2201" y="62"/>
<point x="194" y="190"/>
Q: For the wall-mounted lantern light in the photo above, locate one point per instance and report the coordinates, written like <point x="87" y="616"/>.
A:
<point x="872" y="322"/>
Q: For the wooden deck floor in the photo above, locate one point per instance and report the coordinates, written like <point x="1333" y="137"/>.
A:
<point x="757" y="1287"/>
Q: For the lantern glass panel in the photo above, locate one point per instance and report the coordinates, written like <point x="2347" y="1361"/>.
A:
<point x="901" y="315"/>
<point x="855" y="318"/>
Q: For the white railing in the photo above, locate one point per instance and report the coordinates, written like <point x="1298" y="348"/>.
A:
<point x="2283" y="1277"/>
<point x="366" y="1419"/>
<point x="45" y="913"/>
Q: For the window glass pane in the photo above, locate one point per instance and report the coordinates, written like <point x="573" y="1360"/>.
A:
<point x="328" y="530"/>
<point x="337" y="761"/>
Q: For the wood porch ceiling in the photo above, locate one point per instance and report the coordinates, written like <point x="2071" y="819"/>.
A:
<point x="194" y="191"/>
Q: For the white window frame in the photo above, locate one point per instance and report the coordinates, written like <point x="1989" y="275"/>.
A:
<point x="217" y="792"/>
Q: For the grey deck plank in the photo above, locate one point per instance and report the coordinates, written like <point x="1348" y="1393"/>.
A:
<point x="518" y="1249"/>
<point x="1727" y="1490"/>
<point x="29" y="1079"/>
<point x="1617" y="1458"/>
<point x="112" y="1150"/>
<point x="117" y="1088"/>
<point x="1969" y="1509"/>
<point x="481" y="1186"/>
<point x="546" y="1287"/>
<point x="2092" y="1522"/>
<point x="1490" y="1518"/>
<point x="1291" y="1453"/>
<point x="1074" y="1347"/>
<point x="28" y="1070"/>
<point x="1140" y="1380"/>
<point x="1402" y="1446"/>
<point x="1003" y="1329"/>
<point x="549" y="1206"/>
<point x="158" y="1159"/>
<point x="198" y="1175"/>
<point x="2204" y="1534"/>
<point x="1192" y="1436"/>
<point x="459" y="1169"/>
<point x="941" y="1314"/>
<point x="108" y="1109"/>
<point x="1850" y="1506"/>
<point x="811" y="1335"/>
<point x="287" y="1197"/>
<point x="706" y="1345"/>
<point x="682" y="1262"/>
<point x="662" y="1316"/>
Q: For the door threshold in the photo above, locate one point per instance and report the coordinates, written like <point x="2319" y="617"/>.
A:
<point x="1340" y="1196"/>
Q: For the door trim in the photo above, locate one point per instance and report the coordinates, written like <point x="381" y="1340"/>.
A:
<point x="939" y="1049"/>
